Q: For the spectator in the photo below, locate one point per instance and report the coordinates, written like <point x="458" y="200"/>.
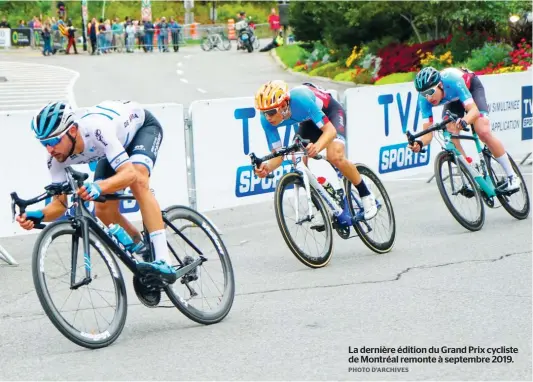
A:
<point x="108" y="36"/>
<point x="71" y="37"/>
<point x="175" y="31"/>
<point x="22" y="24"/>
<point x="164" y="33"/>
<point x="277" y="41"/>
<point x="273" y="20"/>
<point x="149" y="35"/>
<point x="118" y="33"/>
<point x="47" y="39"/>
<point x="101" y="36"/>
<point x="4" y="23"/>
<point x="130" y="38"/>
<point x="92" y="35"/>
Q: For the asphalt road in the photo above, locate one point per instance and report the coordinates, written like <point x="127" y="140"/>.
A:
<point x="440" y="286"/>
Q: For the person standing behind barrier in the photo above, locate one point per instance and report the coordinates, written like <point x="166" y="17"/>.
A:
<point x="130" y="37"/>
<point x="47" y="40"/>
<point x="163" y="25"/>
<point x="92" y="36"/>
<point x="71" y="38"/>
<point x="175" y="31"/>
<point x="149" y="35"/>
<point x="118" y="33"/>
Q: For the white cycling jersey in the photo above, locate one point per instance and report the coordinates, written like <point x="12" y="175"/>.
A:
<point x="106" y="129"/>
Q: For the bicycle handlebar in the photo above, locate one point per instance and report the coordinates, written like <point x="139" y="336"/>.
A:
<point x="449" y="117"/>
<point x="298" y="145"/>
<point x="75" y="180"/>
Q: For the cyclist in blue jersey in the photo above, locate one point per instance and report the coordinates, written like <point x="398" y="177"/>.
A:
<point x="321" y="119"/>
<point x="461" y="92"/>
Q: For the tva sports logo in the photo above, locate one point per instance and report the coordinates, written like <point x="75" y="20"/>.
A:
<point x="247" y="183"/>
<point x="527" y="116"/>
<point x="125" y="206"/>
<point x="398" y="157"/>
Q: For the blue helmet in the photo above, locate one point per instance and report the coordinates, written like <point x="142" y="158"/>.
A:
<point x="52" y="119"/>
<point x="427" y="78"/>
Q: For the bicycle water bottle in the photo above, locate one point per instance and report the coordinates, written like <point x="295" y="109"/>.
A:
<point x="327" y="186"/>
<point x="123" y="237"/>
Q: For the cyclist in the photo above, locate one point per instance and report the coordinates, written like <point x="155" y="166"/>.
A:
<point x="321" y="119"/>
<point x="125" y="139"/>
<point x="461" y="92"/>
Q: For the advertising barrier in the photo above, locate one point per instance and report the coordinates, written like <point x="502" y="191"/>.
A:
<point x="21" y="36"/>
<point x="5" y="37"/>
<point x="29" y="174"/>
<point x="225" y="132"/>
<point x="379" y="116"/>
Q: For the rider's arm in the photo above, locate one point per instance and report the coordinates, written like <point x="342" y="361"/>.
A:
<point x="118" y="159"/>
<point x="472" y="111"/>
<point x="55" y="209"/>
<point x="308" y="101"/>
<point x="427" y="119"/>
<point x="274" y="143"/>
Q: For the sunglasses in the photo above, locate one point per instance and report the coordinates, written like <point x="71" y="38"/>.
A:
<point x="271" y="112"/>
<point x="54" y="141"/>
<point x="430" y="91"/>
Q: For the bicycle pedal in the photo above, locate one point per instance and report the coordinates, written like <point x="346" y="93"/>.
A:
<point x="319" y="227"/>
<point x="467" y="192"/>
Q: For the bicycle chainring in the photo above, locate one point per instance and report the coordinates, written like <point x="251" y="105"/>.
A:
<point x="148" y="296"/>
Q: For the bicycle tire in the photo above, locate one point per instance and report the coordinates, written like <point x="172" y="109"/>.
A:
<point x="524" y="213"/>
<point x="226" y="43"/>
<point x="320" y="205"/>
<point x="442" y="158"/>
<point x="358" y="226"/>
<point x="46" y="237"/>
<point x="206" y="44"/>
<point x="182" y="212"/>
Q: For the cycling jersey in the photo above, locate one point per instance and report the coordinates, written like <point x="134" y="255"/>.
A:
<point x="106" y="129"/>
<point x="306" y="104"/>
<point x="456" y="84"/>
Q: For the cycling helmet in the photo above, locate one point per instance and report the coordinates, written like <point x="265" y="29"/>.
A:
<point x="427" y="78"/>
<point x="52" y="119"/>
<point x="271" y="95"/>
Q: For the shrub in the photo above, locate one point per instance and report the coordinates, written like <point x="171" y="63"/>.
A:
<point x="345" y="76"/>
<point x="462" y="43"/>
<point x="520" y="56"/>
<point x="488" y="54"/>
<point x="437" y="61"/>
<point x="362" y="76"/>
<point x="329" y="70"/>
<point x="290" y="54"/>
<point x="396" y="78"/>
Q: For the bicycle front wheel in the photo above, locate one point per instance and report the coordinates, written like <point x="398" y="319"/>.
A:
<point x="517" y="203"/>
<point x="205" y="294"/>
<point x="378" y="233"/>
<point x="74" y="311"/>
<point x="469" y="211"/>
<point x="206" y="44"/>
<point x="296" y="222"/>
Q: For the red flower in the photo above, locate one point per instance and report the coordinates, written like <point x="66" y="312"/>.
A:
<point x="515" y="60"/>
<point x="523" y="40"/>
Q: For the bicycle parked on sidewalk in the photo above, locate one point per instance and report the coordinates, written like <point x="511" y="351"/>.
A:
<point x="478" y="182"/>
<point x="215" y="40"/>
<point x="98" y="245"/>
<point x="334" y="209"/>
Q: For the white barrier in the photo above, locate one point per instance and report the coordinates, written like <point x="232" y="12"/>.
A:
<point x="225" y="132"/>
<point x="379" y="116"/>
<point x="28" y="173"/>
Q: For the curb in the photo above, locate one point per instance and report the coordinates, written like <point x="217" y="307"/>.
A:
<point x="325" y="79"/>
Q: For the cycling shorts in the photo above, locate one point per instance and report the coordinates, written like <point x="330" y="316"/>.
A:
<point x="142" y="150"/>
<point x="335" y="114"/>
<point x="478" y="95"/>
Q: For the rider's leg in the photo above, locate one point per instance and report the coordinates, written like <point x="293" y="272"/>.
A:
<point x="109" y="213"/>
<point x="457" y="108"/>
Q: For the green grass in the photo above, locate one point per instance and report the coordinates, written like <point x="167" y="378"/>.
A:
<point x="396" y="78"/>
<point x="289" y="54"/>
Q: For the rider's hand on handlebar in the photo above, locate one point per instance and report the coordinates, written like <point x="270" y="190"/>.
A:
<point x="461" y="124"/>
<point x="89" y="191"/>
<point x="312" y="150"/>
<point x="415" y="147"/>
<point x="25" y="222"/>
<point x="263" y="170"/>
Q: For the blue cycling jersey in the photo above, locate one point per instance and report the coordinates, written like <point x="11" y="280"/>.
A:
<point x="455" y="83"/>
<point x="305" y="104"/>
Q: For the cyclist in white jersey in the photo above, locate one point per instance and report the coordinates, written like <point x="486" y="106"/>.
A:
<point x="124" y="138"/>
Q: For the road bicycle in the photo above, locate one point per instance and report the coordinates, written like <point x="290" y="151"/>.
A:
<point x="98" y="246"/>
<point x="335" y="209"/>
<point x="215" y="40"/>
<point x="478" y="182"/>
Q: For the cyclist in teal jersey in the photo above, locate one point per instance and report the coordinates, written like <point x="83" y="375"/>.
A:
<point x="461" y="92"/>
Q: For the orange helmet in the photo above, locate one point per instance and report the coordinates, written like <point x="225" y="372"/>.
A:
<point x="271" y="95"/>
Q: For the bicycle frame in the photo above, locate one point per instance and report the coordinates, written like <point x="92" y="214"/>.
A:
<point x="342" y="214"/>
<point x="484" y="181"/>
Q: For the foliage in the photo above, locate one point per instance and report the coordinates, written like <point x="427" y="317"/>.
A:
<point x="290" y="54"/>
<point x="488" y="54"/>
<point x="362" y="76"/>
<point x="344" y="76"/>
<point x="463" y="42"/>
<point x="329" y="70"/>
<point x="522" y="55"/>
<point x="437" y="61"/>
<point x="396" y="78"/>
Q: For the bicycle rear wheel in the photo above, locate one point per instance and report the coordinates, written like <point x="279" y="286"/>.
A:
<point x="206" y="44"/>
<point x="205" y="294"/>
<point x="290" y="191"/>
<point x="47" y="276"/>
<point x="459" y="191"/>
<point x="385" y="221"/>
<point x="516" y="204"/>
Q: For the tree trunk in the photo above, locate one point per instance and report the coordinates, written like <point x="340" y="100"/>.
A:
<point x="413" y="26"/>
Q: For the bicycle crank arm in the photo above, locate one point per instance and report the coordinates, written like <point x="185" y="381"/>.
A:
<point x="85" y="281"/>
<point x="306" y="219"/>
<point x="186" y="269"/>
